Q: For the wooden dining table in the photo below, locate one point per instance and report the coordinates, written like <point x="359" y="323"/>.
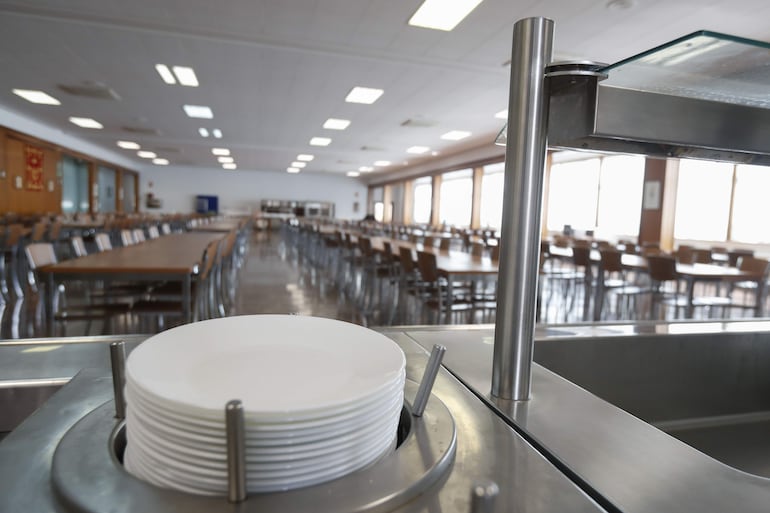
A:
<point x="174" y="257"/>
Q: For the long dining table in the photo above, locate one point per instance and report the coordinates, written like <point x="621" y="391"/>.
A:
<point x="174" y="257"/>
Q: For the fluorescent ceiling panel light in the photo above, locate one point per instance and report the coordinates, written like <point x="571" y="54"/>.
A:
<point x="417" y="150"/>
<point x="160" y="162"/>
<point x="304" y="157"/>
<point x="455" y="135"/>
<point x="86" y="122"/>
<point x="128" y="145"/>
<point x="225" y="160"/>
<point x="353" y="174"/>
<point x="198" y="111"/>
<point x="366" y="169"/>
<point x="299" y="164"/>
<point x="503" y="114"/>
<point x="220" y="151"/>
<point x="365" y="95"/>
<point x="229" y="166"/>
<point x="217" y="133"/>
<point x="336" y="124"/>
<point x="146" y="154"/>
<point x="320" y="141"/>
<point x="186" y="76"/>
<point x="38" y="97"/>
<point x="165" y="74"/>
<point x="381" y="163"/>
<point x="292" y="170"/>
<point x="442" y="14"/>
<point x="203" y="132"/>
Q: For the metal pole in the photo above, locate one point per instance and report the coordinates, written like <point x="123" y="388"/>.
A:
<point x="483" y="495"/>
<point x="428" y="378"/>
<point x="522" y="202"/>
<point x="236" y="451"/>
<point x="118" y="361"/>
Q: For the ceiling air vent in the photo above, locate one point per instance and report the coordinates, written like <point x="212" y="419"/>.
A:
<point x="418" y="123"/>
<point x="90" y="90"/>
<point x="140" y="130"/>
<point x="371" y="148"/>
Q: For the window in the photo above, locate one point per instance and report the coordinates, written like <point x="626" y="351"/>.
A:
<point x="573" y="194"/>
<point x="491" y="212"/>
<point x="703" y="200"/>
<point x="621" y="182"/>
<point x="74" y="185"/>
<point x="379" y="211"/>
<point x="423" y="196"/>
<point x="456" y="198"/>
<point x="751" y="209"/>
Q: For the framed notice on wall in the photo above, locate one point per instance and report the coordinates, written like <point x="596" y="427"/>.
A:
<point x="33" y="170"/>
<point x="651" y="198"/>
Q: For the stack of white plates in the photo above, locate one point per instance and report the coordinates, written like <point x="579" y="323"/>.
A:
<point x="321" y="399"/>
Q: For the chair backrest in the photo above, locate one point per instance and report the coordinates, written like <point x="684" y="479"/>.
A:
<point x="754" y="265"/>
<point x="495" y="253"/>
<point x="365" y="245"/>
<point x="38" y="231"/>
<point x="165" y="228"/>
<point x="445" y="243"/>
<point x="662" y="268"/>
<point x="406" y="259"/>
<point x="126" y="237"/>
<point x="701" y="256"/>
<point x="685" y="254"/>
<point x="153" y="232"/>
<point x="611" y="260"/>
<point x="138" y="234"/>
<point x="734" y="254"/>
<point x="477" y="249"/>
<point x="13" y="234"/>
<point x="103" y="242"/>
<point x="40" y="254"/>
<point x="78" y="246"/>
<point x="426" y="264"/>
<point x="581" y="255"/>
<point x="429" y="241"/>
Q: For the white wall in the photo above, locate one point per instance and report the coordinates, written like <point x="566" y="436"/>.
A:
<point x="242" y="190"/>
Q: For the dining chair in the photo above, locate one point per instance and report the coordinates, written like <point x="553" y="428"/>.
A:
<point x="667" y="285"/>
<point x="617" y="285"/>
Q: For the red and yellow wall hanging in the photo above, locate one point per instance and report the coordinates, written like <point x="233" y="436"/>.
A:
<point x="34" y="168"/>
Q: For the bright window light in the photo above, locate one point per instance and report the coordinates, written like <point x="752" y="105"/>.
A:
<point x="229" y="166"/>
<point x="417" y="150"/>
<point x="353" y="174"/>
<point x="336" y="124"/>
<point x="455" y="135"/>
<point x="225" y="160"/>
<point x="365" y="95"/>
<point x="503" y="114"/>
<point x="217" y="133"/>
<point x="381" y="163"/>
<point x="292" y="170"/>
<point x="146" y="154"/>
<point x="160" y="162"/>
<point x="128" y="145"/>
<point x="320" y="141"/>
<point x="703" y="191"/>
<point x="366" y="169"/>
<point x="198" y="111"/>
<point x="165" y="74"/>
<point x="442" y="14"/>
<point x="203" y="132"/>
<point x="220" y="151"/>
<point x="304" y="157"/>
<point x="38" y="97"/>
<point x="299" y="164"/>
<point x="86" y="122"/>
<point x="422" y="203"/>
<point x="186" y="76"/>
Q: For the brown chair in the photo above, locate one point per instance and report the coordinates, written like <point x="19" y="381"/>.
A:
<point x="746" y="289"/>
<point x="436" y="298"/>
<point x="667" y="285"/>
<point x="615" y="283"/>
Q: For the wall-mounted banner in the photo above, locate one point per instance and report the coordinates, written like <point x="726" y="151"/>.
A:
<point x="34" y="168"/>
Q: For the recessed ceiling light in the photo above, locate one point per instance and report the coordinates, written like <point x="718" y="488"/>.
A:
<point x="353" y="174"/>
<point x="165" y="74"/>
<point x="186" y="76"/>
<point x="203" y="132"/>
<point x="442" y="14"/>
<point x="225" y="160"/>
<point x="217" y="133"/>
<point x="160" y="162"/>
<point x="434" y="153"/>
<point x="417" y="150"/>
<point x="503" y="114"/>
<point x="229" y="166"/>
<point x="381" y="163"/>
<point x="86" y="122"/>
<point x="305" y="157"/>
<point x="336" y="124"/>
<point x="146" y="154"/>
<point x="366" y="169"/>
<point x="299" y="164"/>
<point x="455" y="135"/>
<point x="38" y="97"/>
<point x="366" y="95"/>
<point x="198" y="111"/>
<point x="128" y="145"/>
<point x="220" y="151"/>
<point x="320" y="141"/>
<point x="292" y="170"/>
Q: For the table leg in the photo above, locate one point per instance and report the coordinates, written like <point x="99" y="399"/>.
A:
<point x="689" y="309"/>
<point x="187" y="298"/>
<point x="599" y="293"/>
<point x="48" y="299"/>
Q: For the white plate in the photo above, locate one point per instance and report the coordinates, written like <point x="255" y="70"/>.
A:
<point x="277" y="365"/>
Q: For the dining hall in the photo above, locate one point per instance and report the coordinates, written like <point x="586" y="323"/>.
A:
<point x="384" y="256"/>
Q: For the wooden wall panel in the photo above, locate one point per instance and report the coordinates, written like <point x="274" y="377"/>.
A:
<point x="650" y="224"/>
<point x="5" y="181"/>
<point x="22" y="200"/>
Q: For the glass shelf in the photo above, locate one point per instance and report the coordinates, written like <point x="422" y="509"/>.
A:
<point x="703" y="65"/>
